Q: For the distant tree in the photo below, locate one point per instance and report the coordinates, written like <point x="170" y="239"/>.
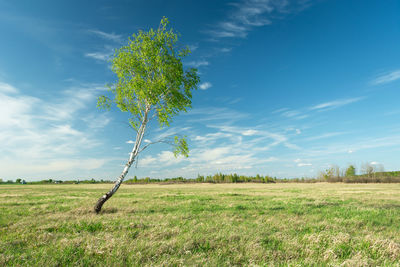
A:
<point x="18" y="181"/>
<point x="151" y="84"/>
<point x="200" y="178"/>
<point x="328" y="174"/>
<point x="350" y="171"/>
<point x="336" y="171"/>
<point x="367" y="169"/>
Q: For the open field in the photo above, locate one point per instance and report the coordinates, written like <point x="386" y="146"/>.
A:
<point x="201" y="224"/>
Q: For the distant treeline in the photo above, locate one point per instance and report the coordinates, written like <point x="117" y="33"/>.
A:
<point x="216" y="178"/>
<point x="54" y="181"/>
<point x="331" y="175"/>
<point x="369" y="173"/>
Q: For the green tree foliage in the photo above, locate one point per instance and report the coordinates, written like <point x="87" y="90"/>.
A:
<point x="350" y="171"/>
<point x="151" y="79"/>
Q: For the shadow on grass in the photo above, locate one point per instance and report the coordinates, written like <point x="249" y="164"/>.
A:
<point x="107" y="211"/>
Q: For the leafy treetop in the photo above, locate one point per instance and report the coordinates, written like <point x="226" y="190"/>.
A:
<point x="151" y="79"/>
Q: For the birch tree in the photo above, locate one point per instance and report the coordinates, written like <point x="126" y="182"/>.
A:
<point x="151" y="83"/>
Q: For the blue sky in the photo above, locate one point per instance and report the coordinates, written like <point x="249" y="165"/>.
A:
<point x="287" y="87"/>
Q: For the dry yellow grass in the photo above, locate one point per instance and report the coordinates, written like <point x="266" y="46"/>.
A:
<point x="201" y="224"/>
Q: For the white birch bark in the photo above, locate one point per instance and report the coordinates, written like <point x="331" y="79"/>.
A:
<point x="132" y="157"/>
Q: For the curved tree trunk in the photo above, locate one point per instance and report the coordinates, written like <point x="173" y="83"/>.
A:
<point x="134" y="153"/>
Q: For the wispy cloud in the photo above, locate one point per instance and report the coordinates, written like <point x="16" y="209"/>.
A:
<point x="103" y="56"/>
<point x="205" y="86"/>
<point x="108" y="36"/>
<point x="324" y="136"/>
<point x="261" y="140"/>
<point x="7" y="88"/>
<point x="280" y="110"/>
<point x="291" y="114"/>
<point x="225" y="49"/>
<point x="304" y="164"/>
<point x="335" y="104"/>
<point x="198" y="63"/>
<point x="248" y="14"/>
<point x="387" y="78"/>
<point x="36" y="133"/>
<point x="193" y="47"/>
<point x="342" y="148"/>
<point x="209" y="114"/>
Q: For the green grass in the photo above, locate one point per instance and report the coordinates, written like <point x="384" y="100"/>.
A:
<point x="201" y="224"/>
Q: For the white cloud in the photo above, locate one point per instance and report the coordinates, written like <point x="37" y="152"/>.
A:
<point x="43" y="131"/>
<point x="249" y="132"/>
<point x="226" y="159"/>
<point x="164" y="158"/>
<point x="168" y="158"/>
<point x="42" y="169"/>
<point x="103" y="56"/>
<point x="360" y="145"/>
<point x="304" y="164"/>
<point x="279" y="110"/>
<point x="216" y="114"/>
<point x="225" y="50"/>
<point x="290" y="113"/>
<point x="205" y="85"/>
<point x="336" y="103"/>
<point x="96" y="121"/>
<point x="108" y="36"/>
<point x="198" y="63"/>
<point x="147" y="161"/>
<point x="66" y="130"/>
<point x="387" y="78"/>
<point x="231" y="29"/>
<point x="7" y="88"/>
<point x="193" y="47"/>
<point x="130" y="142"/>
<point x="212" y="137"/>
<point x="268" y="139"/>
<point x="248" y="14"/>
<point x="324" y="136"/>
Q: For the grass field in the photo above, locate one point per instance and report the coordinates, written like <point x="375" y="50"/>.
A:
<point x="201" y="224"/>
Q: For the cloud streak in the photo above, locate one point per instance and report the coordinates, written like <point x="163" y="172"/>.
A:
<point x="387" y="78"/>
<point x="103" y="56"/>
<point x="335" y="104"/>
<point x="198" y="63"/>
<point x="107" y="36"/>
<point x="248" y="14"/>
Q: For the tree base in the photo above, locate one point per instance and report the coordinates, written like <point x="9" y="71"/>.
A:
<point x="100" y="203"/>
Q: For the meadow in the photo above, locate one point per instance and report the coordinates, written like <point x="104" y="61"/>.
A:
<point x="319" y="224"/>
